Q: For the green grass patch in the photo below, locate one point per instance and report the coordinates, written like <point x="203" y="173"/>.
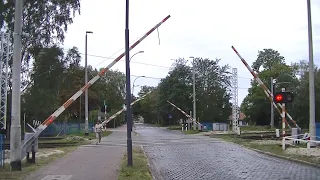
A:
<point x="191" y="132"/>
<point x="271" y="148"/>
<point x="139" y="170"/>
<point x="174" y="128"/>
<point x="27" y="168"/>
<point x="257" y="128"/>
<point x="90" y="135"/>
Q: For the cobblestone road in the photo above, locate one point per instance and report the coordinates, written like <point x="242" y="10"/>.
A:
<point x="174" y="156"/>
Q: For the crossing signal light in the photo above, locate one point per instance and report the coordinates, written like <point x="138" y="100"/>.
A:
<point x="283" y="97"/>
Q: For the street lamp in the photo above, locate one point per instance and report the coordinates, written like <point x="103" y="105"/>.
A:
<point x="194" y="89"/>
<point x="86" y="81"/>
<point x="136" y="54"/>
<point x="128" y="88"/>
<point x="135" y="81"/>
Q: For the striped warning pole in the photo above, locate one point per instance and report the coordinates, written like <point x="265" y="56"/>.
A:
<point x="283" y="114"/>
<point x="187" y="115"/>
<point x="265" y="89"/>
<point x="123" y="109"/>
<point x="53" y="116"/>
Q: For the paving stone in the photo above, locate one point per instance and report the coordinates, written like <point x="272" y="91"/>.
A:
<point x="184" y="157"/>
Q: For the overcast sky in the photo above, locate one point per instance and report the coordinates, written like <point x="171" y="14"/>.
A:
<point x="203" y="28"/>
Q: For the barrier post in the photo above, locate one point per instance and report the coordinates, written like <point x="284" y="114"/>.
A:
<point x="283" y="114"/>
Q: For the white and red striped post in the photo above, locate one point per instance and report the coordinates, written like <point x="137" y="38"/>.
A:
<point x="53" y="116"/>
<point x="283" y="115"/>
<point x="265" y="89"/>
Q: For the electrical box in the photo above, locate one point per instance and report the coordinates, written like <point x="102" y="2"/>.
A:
<point x="33" y="147"/>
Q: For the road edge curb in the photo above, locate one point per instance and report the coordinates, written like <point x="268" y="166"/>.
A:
<point x="284" y="157"/>
<point x="149" y="165"/>
<point x="275" y="155"/>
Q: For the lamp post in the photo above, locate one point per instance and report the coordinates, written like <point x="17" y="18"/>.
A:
<point x="86" y="81"/>
<point x="139" y="52"/>
<point x="135" y="81"/>
<point x="128" y="88"/>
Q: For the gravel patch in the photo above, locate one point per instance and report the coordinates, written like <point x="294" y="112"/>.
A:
<point x="42" y="153"/>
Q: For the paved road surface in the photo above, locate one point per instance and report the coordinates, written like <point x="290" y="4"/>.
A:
<point x="96" y="162"/>
<point x="174" y="156"/>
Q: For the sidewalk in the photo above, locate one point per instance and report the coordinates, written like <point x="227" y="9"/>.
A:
<point x="98" y="162"/>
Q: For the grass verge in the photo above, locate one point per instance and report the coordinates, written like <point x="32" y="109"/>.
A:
<point x="27" y="169"/>
<point x="257" y="128"/>
<point x="91" y="135"/>
<point x="275" y="149"/>
<point x="140" y="169"/>
<point x="174" y="128"/>
<point x="191" y="132"/>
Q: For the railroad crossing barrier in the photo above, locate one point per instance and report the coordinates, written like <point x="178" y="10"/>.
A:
<point x="75" y="96"/>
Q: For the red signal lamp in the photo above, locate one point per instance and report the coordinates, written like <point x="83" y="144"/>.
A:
<point x="283" y="97"/>
<point x="279" y="97"/>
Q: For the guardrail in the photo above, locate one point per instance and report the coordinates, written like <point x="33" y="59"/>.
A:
<point x="295" y="138"/>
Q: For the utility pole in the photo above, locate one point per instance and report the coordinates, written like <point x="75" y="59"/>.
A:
<point x="194" y="89"/>
<point x="86" y="81"/>
<point x="312" y="123"/>
<point x="15" y="133"/>
<point x="272" y="110"/>
<point x="128" y="87"/>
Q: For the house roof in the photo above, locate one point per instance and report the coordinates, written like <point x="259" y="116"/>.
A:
<point x="242" y="116"/>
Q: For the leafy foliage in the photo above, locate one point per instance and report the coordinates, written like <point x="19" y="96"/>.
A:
<point x="293" y="77"/>
<point x="212" y="84"/>
<point x="44" y="22"/>
<point x="56" y="76"/>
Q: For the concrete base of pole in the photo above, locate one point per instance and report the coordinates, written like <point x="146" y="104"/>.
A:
<point x="15" y="166"/>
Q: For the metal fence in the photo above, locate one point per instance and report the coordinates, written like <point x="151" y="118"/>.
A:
<point x="1" y="150"/>
<point x="56" y="129"/>
<point x="219" y="126"/>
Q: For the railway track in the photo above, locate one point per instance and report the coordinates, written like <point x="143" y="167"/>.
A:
<point x="49" y="144"/>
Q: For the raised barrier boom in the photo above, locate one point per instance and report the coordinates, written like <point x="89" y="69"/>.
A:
<point x="264" y="87"/>
<point x="53" y="116"/>
<point x="123" y="109"/>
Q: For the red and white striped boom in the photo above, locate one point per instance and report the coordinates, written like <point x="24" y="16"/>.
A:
<point x="265" y="89"/>
<point x="187" y="115"/>
<point x="123" y="109"/>
<point x="53" y="116"/>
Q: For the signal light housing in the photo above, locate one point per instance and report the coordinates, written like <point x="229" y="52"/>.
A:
<point x="283" y="97"/>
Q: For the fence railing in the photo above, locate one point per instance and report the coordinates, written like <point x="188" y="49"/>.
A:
<point x="296" y="138"/>
<point x="62" y="128"/>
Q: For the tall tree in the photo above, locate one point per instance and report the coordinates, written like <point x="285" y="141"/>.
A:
<point x="256" y="104"/>
<point x="44" y="22"/>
